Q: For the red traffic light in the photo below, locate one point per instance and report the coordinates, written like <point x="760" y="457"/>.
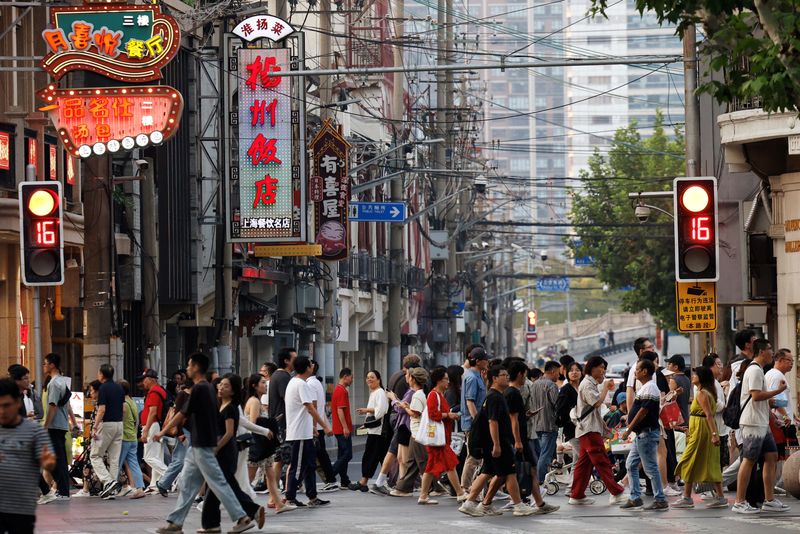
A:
<point x="696" y="243"/>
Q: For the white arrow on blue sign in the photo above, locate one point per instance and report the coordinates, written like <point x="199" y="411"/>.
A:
<point x="377" y="211"/>
<point x="558" y="284"/>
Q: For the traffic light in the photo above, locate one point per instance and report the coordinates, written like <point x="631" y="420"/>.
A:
<point x="531" y="321"/>
<point x="696" y="239"/>
<point x="41" y="233"/>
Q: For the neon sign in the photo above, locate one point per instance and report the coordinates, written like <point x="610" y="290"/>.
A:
<point x="124" y="42"/>
<point x="329" y="161"/>
<point x="94" y="121"/>
<point x="5" y="151"/>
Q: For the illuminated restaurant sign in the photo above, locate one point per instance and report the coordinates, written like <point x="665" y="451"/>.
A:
<point x="266" y="193"/>
<point x="94" y="121"/>
<point x="329" y="166"/>
<point x="5" y="151"/>
<point x="130" y="43"/>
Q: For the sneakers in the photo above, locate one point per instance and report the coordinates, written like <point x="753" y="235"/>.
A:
<point x="581" y="502"/>
<point x="633" y="505"/>
<point x="242" y="526"/>
<point x="124" y="491"/>
<point x="162" y="491"/>
<point x="170" y="528"/>
<point x="287" y="507"/>
<point x="329" y="487"/>
<point x="209" y="530"/>
<point x="545" y="509"/>
<point x="462" y="498"/>
<point x="137" y="494"/>
<point x="619" y="498"/>
<point x="260" y="487"/>
<point x="295" y="503"/>
<point x="471" y="508"/>
<point x="398" y="493"/>
<point x="357" y="486"/>
<point x="316" y="502"/>
<point x="109" y="489"/>
<point x="82" y="493"/>
<point x="489" y="510"/>
<point x="382" y="490"/>
<point x="501" y="496"/>
<point x="671" y="491"/>
<point x="657" y="506"/>
<point x="683" y="503"/>
<point x="62" y="498"/>
<point x="438" y="493"/>
<point x="47" y="497"/>
<point x="717" y="502"/>
<point x="522" y="509"/>
<point x="427" y="500"/>
<point x="774" y="506"/>
<point x="745" y="508"/>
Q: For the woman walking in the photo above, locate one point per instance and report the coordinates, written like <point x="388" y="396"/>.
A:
<point x="700" y="460"/>
<point x="375" y="449"/>
<point x="441" y="459"/>
<point x="566" y="401"/>
<point x="416" y="457"/>
<point x="127" y="457"/>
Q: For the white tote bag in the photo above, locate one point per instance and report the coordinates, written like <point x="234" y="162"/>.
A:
<point x="430" y="433"/>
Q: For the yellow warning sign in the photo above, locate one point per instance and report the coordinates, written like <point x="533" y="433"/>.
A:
<point x="696" y="306"/>
<point x="267" y="251"/>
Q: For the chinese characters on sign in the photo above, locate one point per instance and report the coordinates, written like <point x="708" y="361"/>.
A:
<point x="52" y="161"/>
<point x="329" y="160"/>
<point x="5" y="151"/>
<point x="123" y="42"/>
<point x="93" y="121"/>
<point x="697" y="306"/>
<point x="263" y="27"/>
<point x="268" y="205"/>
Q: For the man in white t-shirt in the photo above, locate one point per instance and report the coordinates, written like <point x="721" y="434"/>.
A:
<point x="757" y="439"/>
<point x="640" y="346"/>
<point x="323" y="460"/>
<point x="781" y="404"/>
<point x="300" y="418"/>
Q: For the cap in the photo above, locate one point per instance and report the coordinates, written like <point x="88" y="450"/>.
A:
<point x="478" y="353"/>
<point x="419" y="374"/>
<point x="148" y="373"/>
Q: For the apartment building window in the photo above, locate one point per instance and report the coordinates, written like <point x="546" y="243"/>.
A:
<point x="599" y="80"/>
<point x="519" y="103"/>
<point x="601" y="119"/>
<point x="598" y="40"/>
<point x="520" y="164"/>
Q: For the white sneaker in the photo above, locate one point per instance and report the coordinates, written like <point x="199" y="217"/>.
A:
<point x="124" y="491"/>
<point x="48" y="497"/>
<point x="669" y="491"/>
<point x="489" y="510"/>
<point x="774" y="506"/>
<point x="471" y="508"/>
<point x="744" y="508"/>
<point x="82" y="493"/>
<point x="522" y="509"/>
<point x="617" y="499"/>
<point x="501" y="496"/>
<point x="581" y="502"/>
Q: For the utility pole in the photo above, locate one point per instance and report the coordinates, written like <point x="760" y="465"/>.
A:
<point x="510" y="311"/>
<point x="692" y="113"/>
<point x="396" y="251"/>
<point x="152" y="321"/>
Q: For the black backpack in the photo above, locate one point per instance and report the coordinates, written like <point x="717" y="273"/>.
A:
<point x="733" y="410"/>
<point x="479" y="434"/>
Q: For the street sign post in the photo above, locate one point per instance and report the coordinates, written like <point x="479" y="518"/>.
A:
<point x="696" y="304"/>
<point x="556" y="284"/>
<point x="378" y="211"/>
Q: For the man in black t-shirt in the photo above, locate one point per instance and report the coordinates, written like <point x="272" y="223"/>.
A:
<point x="498" y="447"/>
<point x="278" y="383"/>
<point x="200" y="463"/>
<point x="107" y="431"/>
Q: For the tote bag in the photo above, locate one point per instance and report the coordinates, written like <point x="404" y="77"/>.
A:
<point x="430" y="433"/>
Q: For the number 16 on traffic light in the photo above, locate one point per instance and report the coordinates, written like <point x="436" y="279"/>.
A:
<point x="696" y="229"/>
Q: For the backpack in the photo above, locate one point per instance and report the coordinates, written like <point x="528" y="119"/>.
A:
<point x="166" y="404"/>
<point x="562" y="409"/>
<point x="733" y="410"/>
<point x="479" y="433"/>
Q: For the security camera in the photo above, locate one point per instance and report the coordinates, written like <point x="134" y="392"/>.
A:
<point x="143" y="164"/>
<point x="543" y="255"/>
<point x="642" y="213"/>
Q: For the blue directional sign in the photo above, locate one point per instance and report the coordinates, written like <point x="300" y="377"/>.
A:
<point x="583" y="261"/>
<point x="378" y="211"/>
<point x="557" y="284"/>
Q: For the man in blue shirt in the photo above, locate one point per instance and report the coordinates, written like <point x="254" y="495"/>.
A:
<point x="473" y="393"/>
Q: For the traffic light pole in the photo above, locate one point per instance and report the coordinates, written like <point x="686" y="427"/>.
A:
<point x="30" y="175"/>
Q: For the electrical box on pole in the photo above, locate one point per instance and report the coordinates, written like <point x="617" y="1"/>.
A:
<point x="41" y="233"/>
<point x="696" y="230"/>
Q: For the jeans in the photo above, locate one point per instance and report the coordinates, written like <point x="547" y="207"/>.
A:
<point x="304" y="466"/>
<point x="201" y="464"/>
<point x="108" y="441"/>
<point x="176" y="464"/>
<point x="61" y="472"/>
<point x="645" y="452"/>
<point x="344" y="453"/>
<point x="154" y="455"/>
<point x="323" y="460"/>
<point x="210" y="516"/>
<point x="593" y="454"/>
<point x="547" y="451"/>
<point x="128" y="454"/>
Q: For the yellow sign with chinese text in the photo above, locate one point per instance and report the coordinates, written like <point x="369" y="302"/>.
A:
<point x="266" y="251"/>
<point x="696" y="304"/>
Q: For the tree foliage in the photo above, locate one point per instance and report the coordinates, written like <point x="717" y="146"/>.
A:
<point x="754" y="43"/>
<point x="639" y="257"/>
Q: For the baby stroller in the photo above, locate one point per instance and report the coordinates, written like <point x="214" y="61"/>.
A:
<point x="81" y="470"/>
<point x="560" y="474"/>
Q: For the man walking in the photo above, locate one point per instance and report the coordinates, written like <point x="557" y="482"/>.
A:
<point x="57" y="424"/>
<point x="107" y="431"/>
<point x="300" y="418"/>
<point x="342" y="426"/>
<point x="323" y="460"/>
<point x="200" y="463"/>
<point x="278" y="383"/>
<point x="25" y="450"/>
<point x="757" y="439"/>
<point x="473" y="393"/>
<point x="155" y="408"/>
<point x="544" y="395"/>
<point x="644" y="421"/>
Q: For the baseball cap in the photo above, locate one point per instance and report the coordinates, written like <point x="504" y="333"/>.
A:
<point x="478" y="353"/>
<point x="148" y="373"/>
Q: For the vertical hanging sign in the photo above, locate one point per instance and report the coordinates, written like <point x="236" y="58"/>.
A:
<point x="329" y="153"/>
<point x="268" y="205"/>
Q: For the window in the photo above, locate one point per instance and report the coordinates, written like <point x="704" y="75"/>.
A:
<point x="520" y="164"/>
<point x="601" y="119"/>
<point x="598" y="40"/>
<point x="518" y="103"/>
<point x="599" y="80"/>
<point x="541" y="102"/>
<point x="602" y="99"/>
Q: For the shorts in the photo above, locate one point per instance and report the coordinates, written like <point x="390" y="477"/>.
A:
<point x="402" y="435"/>
<point x="501" y="466"/>
<point x="284" y="453"/>
<point x="528" y="453"/>
<point x="754" y="447"/>
<point x="266" y="462"/>
<point x="394" y="444"/>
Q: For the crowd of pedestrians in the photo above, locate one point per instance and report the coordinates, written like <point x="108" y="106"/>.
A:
<point x="482" y="433"/>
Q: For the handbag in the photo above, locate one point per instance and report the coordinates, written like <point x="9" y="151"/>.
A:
<point x="372" y="422"/>
<point x="457" y="442"/>
<point x="671" y="415"/>
<point x="430" y="433"/>
<point x="243" y="441"/>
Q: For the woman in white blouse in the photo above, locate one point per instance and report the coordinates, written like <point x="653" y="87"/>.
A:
<point x="377" y="444"/>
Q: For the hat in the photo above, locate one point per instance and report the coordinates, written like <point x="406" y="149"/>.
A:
<point x="478" y="353"/>
<point x="148" y="373"/>
<point x="678" y="361"/>
<point x="419" y="375"/>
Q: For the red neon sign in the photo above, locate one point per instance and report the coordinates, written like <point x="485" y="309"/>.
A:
<point x="32" y="153"/>
<point x="5" y="151"/>
<point x="53" y="169"/>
